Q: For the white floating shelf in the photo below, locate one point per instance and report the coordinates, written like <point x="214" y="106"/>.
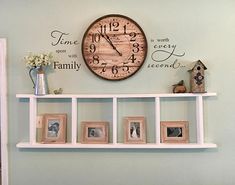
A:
<point x="120" y="146"/>
<point x="33" y="100"/>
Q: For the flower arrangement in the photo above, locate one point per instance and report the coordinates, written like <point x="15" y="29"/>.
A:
<point x="38" y="60"/>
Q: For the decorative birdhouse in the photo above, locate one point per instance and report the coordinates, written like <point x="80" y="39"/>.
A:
<point x="197" y="78"/>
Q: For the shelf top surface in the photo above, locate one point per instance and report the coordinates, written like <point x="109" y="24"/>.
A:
<point x="116" y="95"/>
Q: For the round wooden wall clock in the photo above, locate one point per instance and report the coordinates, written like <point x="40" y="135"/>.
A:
<point x="114" y="47"/>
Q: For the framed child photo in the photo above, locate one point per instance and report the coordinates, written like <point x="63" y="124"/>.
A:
<point x="94" y="132"/>
<point x="174" y="132"/>
<point x="54" y="128"/>
<point x="134" y="130"/>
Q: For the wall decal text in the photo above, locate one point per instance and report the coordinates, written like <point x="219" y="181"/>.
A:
<point x="165" y="54"/>
<point x="66" y="48"/>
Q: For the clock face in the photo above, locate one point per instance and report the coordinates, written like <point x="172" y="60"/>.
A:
<point x="114" y="47"/>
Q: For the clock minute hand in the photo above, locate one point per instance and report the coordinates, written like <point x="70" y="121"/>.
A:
<point x="106" y="37"/>
<point x="113" y="45"/>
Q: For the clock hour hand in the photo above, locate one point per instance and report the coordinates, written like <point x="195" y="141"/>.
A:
<point x="106" y="37"/>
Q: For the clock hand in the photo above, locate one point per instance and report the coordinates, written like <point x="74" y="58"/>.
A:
<point x="112" y="45"/>
<point x="110" y="42"/>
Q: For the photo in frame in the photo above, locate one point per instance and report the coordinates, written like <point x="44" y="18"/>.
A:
<point x="174" y="132"/>
<point x="94" y="132"/>
<point x="54" y="128"/>
<point x="134" y="130"/>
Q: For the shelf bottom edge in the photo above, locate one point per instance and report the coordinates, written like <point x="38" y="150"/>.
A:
<point x="118" y="146"/>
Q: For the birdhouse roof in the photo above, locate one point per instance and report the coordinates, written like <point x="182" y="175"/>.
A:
<point x="194" y="64"/>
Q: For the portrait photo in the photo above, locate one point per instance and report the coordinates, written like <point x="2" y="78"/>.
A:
<point x="134" y="130"/>
<point x="54" y="128"/>
<point x="94" y="132"/>
<point x="174" y="132"/>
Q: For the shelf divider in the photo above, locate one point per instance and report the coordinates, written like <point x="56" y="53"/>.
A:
<point x="199" y="113"/>
<point x="74" y="120"/>
<point x="158" y="120"/>
<point x="32" y="119"/>
<point x="115" y="120"/>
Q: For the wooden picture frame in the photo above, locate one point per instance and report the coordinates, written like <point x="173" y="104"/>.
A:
<point x="54" y="128"/>
<point x="134" y="130"/>
<point x="94" y="132"/>
<point x="174" y="132"/>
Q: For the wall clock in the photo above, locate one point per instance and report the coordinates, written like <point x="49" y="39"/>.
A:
<point x="114" y="47"/>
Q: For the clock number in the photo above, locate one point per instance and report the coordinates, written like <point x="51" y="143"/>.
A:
<point x="95" y="37"/>
<point x="124" y="27"/>
<point x="133" y="36"/>
<point x="115" y="69"/>
<point x="113" y="26"/>
<point x="132" y="58"/>
<point x="136" y="48"/>
<point x="103" y="67"/>
<point x="96" y="59"/>
<point x="125" y="67"/>
<point x="103" y="29"/>
<point x="92" y="48"/>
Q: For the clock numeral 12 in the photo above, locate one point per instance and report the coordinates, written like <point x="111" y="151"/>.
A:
<point x="113" y="26"/>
